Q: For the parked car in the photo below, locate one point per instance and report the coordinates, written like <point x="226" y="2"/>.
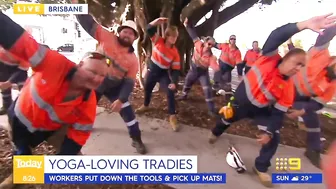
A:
<point x="66" y="48"/>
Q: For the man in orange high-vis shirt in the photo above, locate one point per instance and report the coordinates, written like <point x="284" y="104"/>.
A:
<point x="316" y="86"/>
<point x="229" y="58"/>
<point x="164" y="67"/>
<point x="58" y="94"/>
<point x="251" y="56"/>
<point x="119" y="83"/>
<point x="267" y="92"/>
<point x="12" y="70"/>
<point x="202" y="59"/>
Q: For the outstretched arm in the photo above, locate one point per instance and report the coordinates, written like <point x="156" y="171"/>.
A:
<point x="90" y="25"/>
<point x="322" y="41"/>
<point x="19" y="43"/>
<point x="279" y="36"/>
<point x="191" y="31"/>
<point x="283" y="33"/>
<point x="151" y="28"/>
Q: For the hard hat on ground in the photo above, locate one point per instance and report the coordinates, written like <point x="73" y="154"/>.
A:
<point x="129" y="24"/>
<point x="234" y="160"/>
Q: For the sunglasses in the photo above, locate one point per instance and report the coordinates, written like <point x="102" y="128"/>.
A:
<point x="210" y="44"/>
<point x="233" y="39"/>
<point x="97" y="56"/>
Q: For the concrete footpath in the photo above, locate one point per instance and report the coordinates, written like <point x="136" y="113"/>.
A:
<point x="111" y="138"/>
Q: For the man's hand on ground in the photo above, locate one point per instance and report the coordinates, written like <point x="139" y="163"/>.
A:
<point x="263" y="138"/>
<point x="116" y="106"/>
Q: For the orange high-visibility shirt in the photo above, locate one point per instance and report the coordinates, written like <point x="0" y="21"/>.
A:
<point x="163" y="56"/>
<point x="40" y="106"/>
<point x="124" y="62"/>
<point x="203" y="59"/>
<point x="312" y="81"/>
<point x="266" y="86"/>
<point x="250" y="57"/>
<point x="229" y="56"/>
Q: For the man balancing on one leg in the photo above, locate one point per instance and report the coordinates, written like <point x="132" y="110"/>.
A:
<point x="164" y="67"/>
<point x="119" y="83"/>
<point x="59" y="94"/>
<point x="202" y="59"/>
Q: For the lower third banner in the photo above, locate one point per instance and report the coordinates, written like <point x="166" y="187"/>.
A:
<point x="194" y="178"/>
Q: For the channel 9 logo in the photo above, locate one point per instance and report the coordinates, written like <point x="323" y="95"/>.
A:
<point x="288" y="164"/>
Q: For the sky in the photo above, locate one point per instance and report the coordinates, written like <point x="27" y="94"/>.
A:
<point x="254" y="24"/>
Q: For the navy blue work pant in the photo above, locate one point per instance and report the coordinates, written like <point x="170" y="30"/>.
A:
<point x="203" y="76"/>
<point x="223" y="76"/>
<point x="127" y="113"/>
<point x="155" y="75"/>
<point x="5" y="73"/>
<point x="240" y="68"/>
<point x="247" y="68"/>
<point x="243" y="109"/>
<point x="22" y="138"/>
<point x="311" y="121"/>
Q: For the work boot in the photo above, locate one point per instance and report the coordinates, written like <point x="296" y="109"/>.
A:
<point x="142" y="109"/>
<point x="173" y="122"/>
<point x="7" y="183"/>
<point x="264" y="178"/>
<point x="3" y="110"/>
<point x="314" y="157"/>
<point x="212" y="138"/>
<point x="138" y="145"/>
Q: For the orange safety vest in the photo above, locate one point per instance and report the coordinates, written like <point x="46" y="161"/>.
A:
<point x="40" y="106"/>
<point x="124" y="63"/>
<point x="250" y="57"/>
<point x="229" y="56"/>
<point x="163" y="56"/>
<point x="266" y="86"/>
<point x="11" y="60"/>
<point x="312" y="81"/>
<point x="203" y="60"/>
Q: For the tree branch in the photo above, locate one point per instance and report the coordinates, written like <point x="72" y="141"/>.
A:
<point x="215" y="15"/>
<point x="224" y="16"/>
<point x="201" y="10"/>
<point x="177" y="11"/>
<point x="184" y="3"/>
